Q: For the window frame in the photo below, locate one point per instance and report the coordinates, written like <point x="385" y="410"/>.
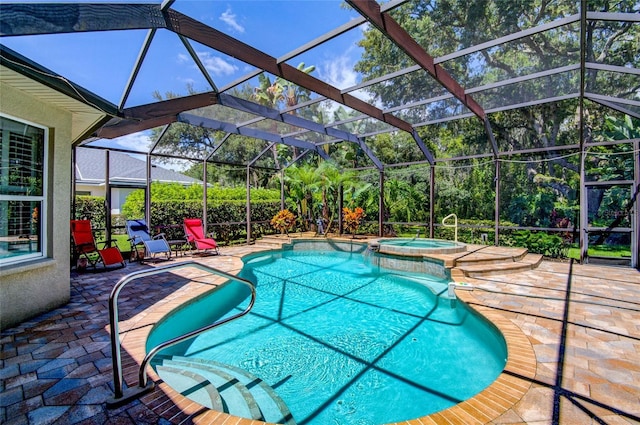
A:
<point x="43" y="199"/>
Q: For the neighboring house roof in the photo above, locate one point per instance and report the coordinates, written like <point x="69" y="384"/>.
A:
<point x="124" y="169"/>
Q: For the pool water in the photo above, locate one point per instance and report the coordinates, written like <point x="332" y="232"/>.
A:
<point x="344" y="342"/>
<point x="416" y="246"/>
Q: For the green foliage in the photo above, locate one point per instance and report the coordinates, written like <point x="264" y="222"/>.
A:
<point x="171" y="203"/>
<point x="91" y="208"/>
<point x="535" y="186"/>
<point x="281" y="93"/>
<point x="540" y="243"/>
<point x="160" y="192"/>
<point x="226" y="219"/>
<point x="469" y="231"/>
<point x="301" y="184"/>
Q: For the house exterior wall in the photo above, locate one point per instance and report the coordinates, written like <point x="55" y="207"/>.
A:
<point x="91" y="189"/>
<point x="118" y="198"/>
<point x="118" y="195"/>
<point x="33" y="287"/>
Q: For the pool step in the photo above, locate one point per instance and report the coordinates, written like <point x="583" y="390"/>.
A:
<point x="273" y="241"/>
<point x="223" y="387"/>
<point x="276" y="241"/>
<point x="492" y="267"/>
<point x="491" y="255"/>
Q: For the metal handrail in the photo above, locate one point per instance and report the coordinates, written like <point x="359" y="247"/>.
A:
<point x="455" y="225"/>
<point x="143" y="386"/>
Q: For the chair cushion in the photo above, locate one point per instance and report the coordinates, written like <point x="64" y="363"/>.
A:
<point x="205" y="244"/>
<point x="157" y="245"/>
<point x="111" y="255"/>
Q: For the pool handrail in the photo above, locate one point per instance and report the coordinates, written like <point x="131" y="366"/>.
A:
<point x="120" y="397"/>
<point x="455" y="225"/>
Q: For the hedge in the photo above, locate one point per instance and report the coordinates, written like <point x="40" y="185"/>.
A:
<point x="91" y="208"/>
<point x="226" y="219"/>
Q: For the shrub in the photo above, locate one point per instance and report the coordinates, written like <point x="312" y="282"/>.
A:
<point x="227" y="218"/>
<point x="552" y="246"/>
<point x="352" y="219"/>
<point x="283" y="221"/>
<point x="91" y="208"/>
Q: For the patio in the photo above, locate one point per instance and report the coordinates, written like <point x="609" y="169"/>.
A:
<point x="582" y="322"/>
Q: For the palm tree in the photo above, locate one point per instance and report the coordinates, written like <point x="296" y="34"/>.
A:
<point x="332" y="178"/>
<point x="279" y="94"/>
<point x="302" y="182"/>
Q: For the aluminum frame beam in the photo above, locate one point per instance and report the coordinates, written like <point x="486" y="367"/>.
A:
<point x="198" y="62"/>
<point x="56" y="18"/>
<point x="245" y="131"/>
<point x="388" y="26"/>
<point x="371" y="10"/>
<point x="136" y="68"/>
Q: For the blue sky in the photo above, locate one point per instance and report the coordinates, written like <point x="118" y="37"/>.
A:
<point x="102" y="61"/>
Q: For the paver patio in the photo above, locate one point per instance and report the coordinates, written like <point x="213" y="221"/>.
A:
<point x="582" y="322"/>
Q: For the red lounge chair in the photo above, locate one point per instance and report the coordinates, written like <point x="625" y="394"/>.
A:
<point x="85" y="246"/>
<point x="194" y="234"/>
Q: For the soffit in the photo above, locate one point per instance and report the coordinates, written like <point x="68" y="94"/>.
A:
<point x="84" y="116"/>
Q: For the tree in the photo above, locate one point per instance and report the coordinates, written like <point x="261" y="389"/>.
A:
<point x="195" y="142"/>
<point x="448" y="26"/>
<point x="281" y="94"/>
<point x="332" y="178"/>
<point x="302" y="182"/>
<point x="611" y="206"/>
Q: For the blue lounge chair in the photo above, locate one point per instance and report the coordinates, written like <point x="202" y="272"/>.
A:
<point x="154" y="246"/>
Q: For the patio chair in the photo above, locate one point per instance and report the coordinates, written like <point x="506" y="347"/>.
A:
<point x="195" y="236"/>
<point x="139" y="237"/>
<point x="85" y="246"/>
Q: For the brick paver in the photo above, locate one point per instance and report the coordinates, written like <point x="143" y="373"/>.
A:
<point x="582" y="323"/>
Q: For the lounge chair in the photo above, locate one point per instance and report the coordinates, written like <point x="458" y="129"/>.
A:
<point x="195" y="236"/>
<point x="139" y="237"/>
<point x="85" y="246"/>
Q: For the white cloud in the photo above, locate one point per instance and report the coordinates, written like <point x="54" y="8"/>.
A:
<point x="216" y="65"/>
<point x="182" y="58"/>
<point x="141" y="142"/>
<point x="230" y="19"/>
<point x="136" y="141"/>
<point x="339" y="72"/>
<point x="365" y="96"/>
<point x="187" y="81"/>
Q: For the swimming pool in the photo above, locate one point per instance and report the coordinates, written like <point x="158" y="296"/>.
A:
<point x="343" y="341"/>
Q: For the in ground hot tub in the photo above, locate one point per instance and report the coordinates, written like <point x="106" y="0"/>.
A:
<point x="415" y="247"/>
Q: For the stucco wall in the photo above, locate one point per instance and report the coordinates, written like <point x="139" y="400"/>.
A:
<point x="34" y="287"/>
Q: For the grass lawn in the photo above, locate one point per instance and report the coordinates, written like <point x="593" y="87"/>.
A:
<point x="123" y="242"/>
<point x="602" y="251"/>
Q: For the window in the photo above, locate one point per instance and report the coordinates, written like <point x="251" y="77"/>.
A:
<point x="22" y="190"/>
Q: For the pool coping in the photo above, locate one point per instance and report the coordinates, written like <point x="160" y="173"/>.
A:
<point x="499" y="397"/>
